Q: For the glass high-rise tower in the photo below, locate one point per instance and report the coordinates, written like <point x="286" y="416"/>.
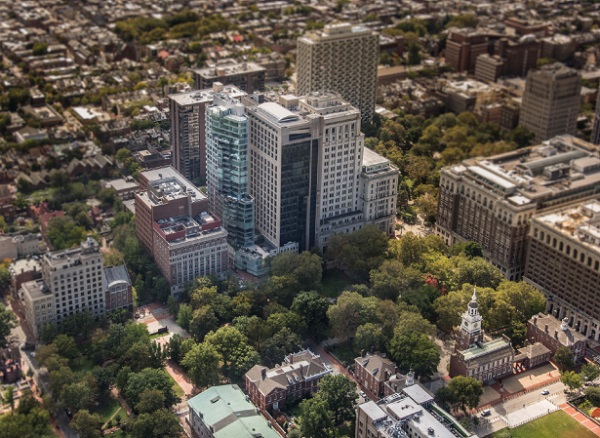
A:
<point x="227" y="168"/>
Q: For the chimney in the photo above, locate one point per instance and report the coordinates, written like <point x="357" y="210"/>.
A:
<point x="546" y="328"/>
<point x="263" y="373"/>
<point x="555" y="334"/>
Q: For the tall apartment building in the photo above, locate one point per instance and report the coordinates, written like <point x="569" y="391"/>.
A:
<point x="563" y="260"/>
<point x="188" y="125"/>
<point x="284" y="154"/>
<point x="227" y="168"/>
<point x="247" y="76"/>
<point x="72" y="281"/>
<point x="463" y="47"/>
<point x="172" y="221"/>
<point x="341" y="58"/>
<point x="551" y="101"/>
<point x="596" y="126"/>
<point x="341" y="148"/>
<point x="333" y="185"/>
<point x="378" y="191"/>
<point x="76" y="279"/>
<point x="491" y="200"/>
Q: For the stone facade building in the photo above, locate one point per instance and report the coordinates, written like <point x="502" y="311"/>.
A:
<point x="492" y="200"/>
<point x="563" y="261"/>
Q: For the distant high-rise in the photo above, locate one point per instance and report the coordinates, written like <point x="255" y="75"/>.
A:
<point x="551" y="101"/>
<point x="247" y="76"/>
<point x="341" y="58"/>
<point x="227" y="168"/>
<point x="596" y="128"/>
<point x="188" y="130"/>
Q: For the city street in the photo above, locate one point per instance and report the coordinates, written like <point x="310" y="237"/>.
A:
<point x="503" y="413"/>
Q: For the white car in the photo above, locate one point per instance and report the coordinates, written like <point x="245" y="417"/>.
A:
<point x="363" y="395"/>
<point x="545" y="392"/>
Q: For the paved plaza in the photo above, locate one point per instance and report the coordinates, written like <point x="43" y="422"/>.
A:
<point x="530" y="413"/>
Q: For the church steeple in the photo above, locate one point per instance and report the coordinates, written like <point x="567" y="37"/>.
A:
<point x="470" y="329"/>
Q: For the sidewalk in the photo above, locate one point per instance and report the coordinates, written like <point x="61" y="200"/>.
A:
<point x="575" y="414"/>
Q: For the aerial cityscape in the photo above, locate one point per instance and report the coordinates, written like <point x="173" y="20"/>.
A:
<point x="299" y="218"/>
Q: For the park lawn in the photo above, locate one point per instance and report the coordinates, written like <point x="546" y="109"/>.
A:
<point x="557" y="424"/>
<point x="108" y="408"/>
<point x="334" y="282"/>
<point x="178" y="391"/>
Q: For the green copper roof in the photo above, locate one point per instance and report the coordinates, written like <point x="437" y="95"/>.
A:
<point x="231" y="415"/>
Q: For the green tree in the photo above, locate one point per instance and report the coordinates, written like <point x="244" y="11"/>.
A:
<point x="360" y="252"/>
<point x="590" y="371"/>
<point x="77" y="396"/>
<point x="150" y="400"/>
<point x="564" y="358"/>
<point x="8" y="321"/>
<point x="202" y="363"/>
<point x="87" y="425"/>
<point x="572" y="380"/>
<point x="279" y="345"/>
<point x="158" y="355"/>
<point x="204" y="320"/>
<point x="339" y="393"/>
<point x="593" y="395"/>
<point x="306" y="268"/>
<point x="312" y="308"/>
<point x="349" y="312"/>
<point x="63" y="233"/>
<point x="185" y="315"/>
<point x="415" y="351"/>
<point x="465" y="392"/>
<point x="369" y="337"/>
<point x="149" y="378"/>
<point x="158" y="424"/>
<point x="9" y="397"/>
<point x="392" y="278"/>
<point x="317" y="420"/>
<point x="66" y="346"/>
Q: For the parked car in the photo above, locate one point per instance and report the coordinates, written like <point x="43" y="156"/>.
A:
<point x="545" y="392"/>
<point x="486" y="412"/>
<point x="362" y="394"/>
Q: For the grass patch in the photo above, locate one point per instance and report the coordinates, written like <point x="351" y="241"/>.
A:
<point x="334" y="282"/>
<point x="557" y="424"/>
<point x="108" y="408"/>
<point x="178" y="391"/>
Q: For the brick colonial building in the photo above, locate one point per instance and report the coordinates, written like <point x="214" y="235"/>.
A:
<point x="373" y="372"/>
<point x="554" y="333"/>
<point x="297" y="377"/>
<point x="475" y="357"/>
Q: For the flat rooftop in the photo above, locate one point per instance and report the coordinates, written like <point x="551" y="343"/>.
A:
<point x="232" y="69"/>
<point x="36" y="289"/>
<point x="525" y="176"/>
<point x="580" y="222"/>
<point x="167" y="182"/>
<point x="204" y="96"/>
